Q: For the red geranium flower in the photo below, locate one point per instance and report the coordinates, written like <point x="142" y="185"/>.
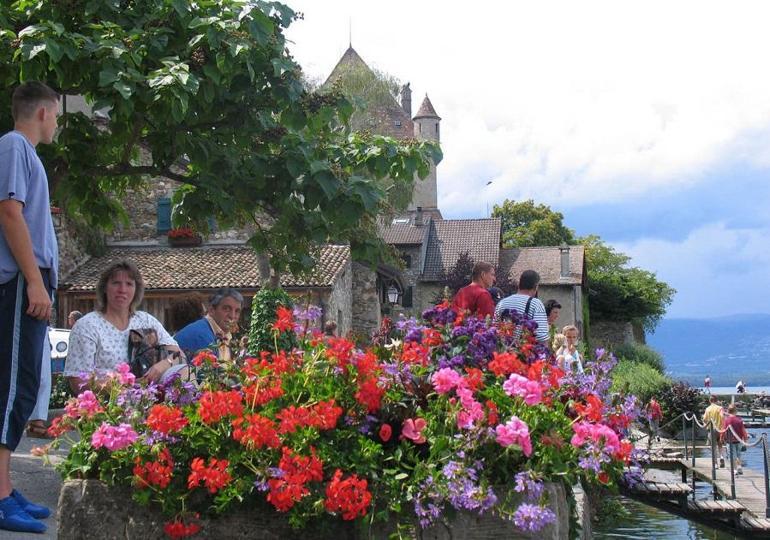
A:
<point x="349" y="496"/>
<point x="414" y="353"/>
<point x="177" y="528"/>
<point x="255" y="431"/>
<point x="214" y="475"/>
<point x="154" y="473"/>
<point x="213" y="406"/>
<point x="284" y="320"/>
<point x="370" y="395"/>
<point x="385" y="432"/>
<point x="503" y="364"/>
<point x="205" y="357"/>
<point x="166" y="419"/>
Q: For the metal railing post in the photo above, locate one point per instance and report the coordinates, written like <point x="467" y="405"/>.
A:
<point x="692" y="432"/>
<point x="767" y="476"/>
<point x="732" y="471"/>
<point x="684" y="435"/>
<point x="713" y="460"/>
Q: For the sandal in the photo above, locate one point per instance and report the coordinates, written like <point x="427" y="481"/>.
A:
<point x="38" y="430"/>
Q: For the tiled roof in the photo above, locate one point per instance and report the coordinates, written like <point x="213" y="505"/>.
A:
<point x="546" y="261"/>
<point x="450" y="238"/>
<point x="426" y="110"/>
<point x="404" y="233"/>
<point x="204" y="268"/>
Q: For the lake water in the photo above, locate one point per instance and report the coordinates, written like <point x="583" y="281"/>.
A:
<point x="647" y="523"/>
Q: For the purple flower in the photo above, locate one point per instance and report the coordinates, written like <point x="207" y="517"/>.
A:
<point x="526" y="483"/>
<point x="532" y="517"/>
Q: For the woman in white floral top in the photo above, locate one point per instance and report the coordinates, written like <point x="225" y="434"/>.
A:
<point x="99" y="341"/>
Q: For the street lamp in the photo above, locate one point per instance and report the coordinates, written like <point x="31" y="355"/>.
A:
<point x="393" y="294"/>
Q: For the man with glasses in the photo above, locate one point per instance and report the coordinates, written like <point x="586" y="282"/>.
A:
<point x="215" y="328"/>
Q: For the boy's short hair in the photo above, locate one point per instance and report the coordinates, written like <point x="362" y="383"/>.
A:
<point x="29" y="97"/>
<point x="528" y="280"/>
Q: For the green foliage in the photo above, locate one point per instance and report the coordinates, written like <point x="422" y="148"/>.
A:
<point x="60" y="391"/>
<point x="459" y="275"/>
<point x="678" y="398"/>
<point x="263" y="307"/>
<point x="641" y="380"/>
<point x="525" y="224"/>
<point x="206" y="94"/>
<point x="641" y="354"/>
<point x="620" y="292"/>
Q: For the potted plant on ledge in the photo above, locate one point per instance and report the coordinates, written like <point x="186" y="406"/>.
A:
<point x="183" y="237"/>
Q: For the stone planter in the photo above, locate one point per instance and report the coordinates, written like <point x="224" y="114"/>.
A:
<point x="193" y="241"/>
<point x="90" y="510"/>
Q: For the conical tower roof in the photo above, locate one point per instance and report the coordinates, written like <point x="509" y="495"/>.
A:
<point x="426" y="110"/>
<point x="351" y="59"/>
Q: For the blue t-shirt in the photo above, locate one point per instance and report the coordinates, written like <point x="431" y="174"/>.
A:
<point x="195" y="336"/>
<point x="23" y="178"/>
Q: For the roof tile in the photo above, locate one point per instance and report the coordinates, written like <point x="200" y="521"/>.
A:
<point x="208" y="267"/>
<point x="452" y="237"/>
<point x="546" y="261"/>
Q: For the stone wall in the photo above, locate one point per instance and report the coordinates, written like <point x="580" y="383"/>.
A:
<point x="571" y="301"/>
<point x="72" y="250"/>
<point x="89" y="510"/>
<point x="365" y="300"/>
<point x="340" y="304"/>
<point x="610" y="334"/>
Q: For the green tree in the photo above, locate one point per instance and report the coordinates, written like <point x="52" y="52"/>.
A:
<point x="525" y="224"/>
<point x="620" y="292"/>
<point x="205" y="93"/>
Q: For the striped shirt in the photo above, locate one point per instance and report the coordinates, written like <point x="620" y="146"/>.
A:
<point x="536" y="312"/>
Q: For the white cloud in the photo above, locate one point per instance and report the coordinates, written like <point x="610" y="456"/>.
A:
<point x="716" y="270"/>
<point x="566" y="102"/>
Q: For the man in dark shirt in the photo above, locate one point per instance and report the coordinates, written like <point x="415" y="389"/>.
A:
<point x="475" y="297"/>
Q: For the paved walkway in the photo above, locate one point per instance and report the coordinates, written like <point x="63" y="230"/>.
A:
<point x="39" y="482"/>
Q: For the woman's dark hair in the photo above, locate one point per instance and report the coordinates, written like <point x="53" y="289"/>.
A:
<point x="133" y="272"/>
<point x="185" y="310"/>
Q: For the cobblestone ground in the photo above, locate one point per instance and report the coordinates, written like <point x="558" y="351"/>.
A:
<point x="39" y="482"/>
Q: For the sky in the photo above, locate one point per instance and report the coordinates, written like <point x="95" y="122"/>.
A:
<point x="647" y="123"/>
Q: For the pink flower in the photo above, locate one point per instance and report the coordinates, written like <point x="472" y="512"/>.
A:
<point x="113" y="437"/>
<point x="445" y="379"/>
<point x="598" y="433"/>
<point x="515" y="431"/>
<point x="412" y="430"/>
<point x="472" y="411"/>
<point x="123" y="372"/>
<point x="529" y="390"/>
<point x="86" y="405"/>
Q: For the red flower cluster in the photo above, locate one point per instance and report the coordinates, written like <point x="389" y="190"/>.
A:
<point x="154" y="473"/>
<point x="493" y="414"/>
<point x="59" y="426"/>
<point x="503" y="364"/>
<point x="213" y="406"/>
<point x="414" y="353"/>
<point x="181" y="232"/>
<point x="284" y="320"/>
<point x="339" y="350"/>
<point x="349" y="496"/>
<point x="255" y="431"/>
<point x="271" y="363"/>
<point x="263" y="391"/>
<point x="166" y="419"/>
<point x="214" y="476"/>
<point x="474" y="380"/>
<point x="431" y="337"/>
<point x="296" y="471"/>
<point x="205" y="358"/>
<point x="591" y="410"/>
<point x="367" y="365"/>
<point x="323" y="415"/>
<point x="177" y="529"/>
<point x="370" y="395"/>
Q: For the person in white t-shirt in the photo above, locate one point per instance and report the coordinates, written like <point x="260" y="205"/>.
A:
<point x="568" y="357"/>
<point x="99" y="340"/>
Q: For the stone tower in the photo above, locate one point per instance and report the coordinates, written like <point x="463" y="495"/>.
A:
<point x="426" y="127"/>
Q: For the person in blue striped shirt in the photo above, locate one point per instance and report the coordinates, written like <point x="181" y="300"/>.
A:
<point x="525" y="301"/>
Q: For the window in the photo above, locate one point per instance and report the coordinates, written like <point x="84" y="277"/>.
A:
<point x="406" y="299"/>
<point x="397" y="123"/>
<point x="164" y="215"/>
<point x="400" y="221"/>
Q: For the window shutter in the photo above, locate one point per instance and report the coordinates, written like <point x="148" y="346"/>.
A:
<point x="164" y="215"/>
<point x="406" y="298"/>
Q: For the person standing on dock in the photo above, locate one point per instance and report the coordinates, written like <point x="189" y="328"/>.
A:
<point x="707" y="383"/>
<point x="715" y="414"/>
<point x="736" y="435"/>
<point x="655" y="414"/>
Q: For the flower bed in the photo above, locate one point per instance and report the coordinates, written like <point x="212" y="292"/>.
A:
<point x="422" y="426"/>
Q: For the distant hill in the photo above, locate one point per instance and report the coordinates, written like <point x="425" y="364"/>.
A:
<point x="727" y="348"/>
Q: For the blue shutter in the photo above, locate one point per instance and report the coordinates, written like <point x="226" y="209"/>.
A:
<point x="164" y="215"/>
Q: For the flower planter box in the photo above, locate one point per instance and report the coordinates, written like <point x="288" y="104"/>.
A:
<point x="89" y="509"/>
<point x="185" y="241"/>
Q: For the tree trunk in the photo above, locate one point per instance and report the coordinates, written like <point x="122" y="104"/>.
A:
<point x="270" y="278"/>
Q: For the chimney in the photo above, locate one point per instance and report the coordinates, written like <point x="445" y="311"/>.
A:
<point x="564" y="251"/>
<point x="406" y="99"/>
<point x="418" y="222"/>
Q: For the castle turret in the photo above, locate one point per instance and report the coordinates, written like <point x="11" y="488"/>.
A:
<point x="406" y="99"/>
<point x="426" y="127"/>
<point x="426" y="122"/>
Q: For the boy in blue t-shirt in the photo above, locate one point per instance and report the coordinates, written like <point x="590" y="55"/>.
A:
<point x="29" y="261"/>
